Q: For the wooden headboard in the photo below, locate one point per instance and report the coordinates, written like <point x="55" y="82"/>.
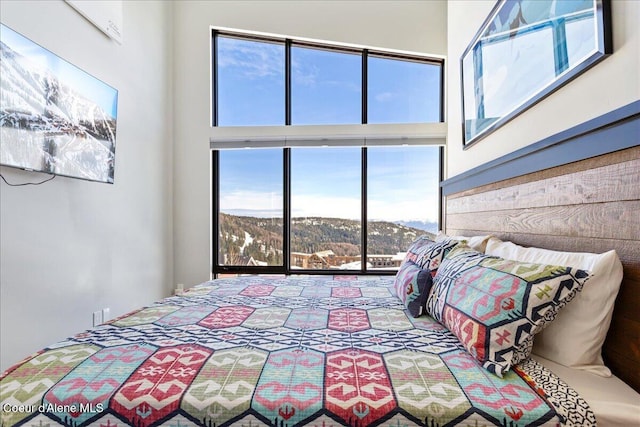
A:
<point x="591" y="205"/>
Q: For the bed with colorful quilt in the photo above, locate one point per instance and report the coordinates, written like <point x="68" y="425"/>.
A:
<point x="445" y="342"/>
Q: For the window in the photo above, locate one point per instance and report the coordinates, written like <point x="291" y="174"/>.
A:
<point x="325" y="208"/>
<point x="309" y="207"/>
<point x="414" y="98"/>
<point x="250" y="213"/>
<point x="402" y="201"/>
<point x="325" y="87"/>
<point x="250" y="82"/>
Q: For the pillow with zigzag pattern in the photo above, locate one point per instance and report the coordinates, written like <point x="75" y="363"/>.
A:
<point x="496" y="306"/>
<point x="427" y="254"/>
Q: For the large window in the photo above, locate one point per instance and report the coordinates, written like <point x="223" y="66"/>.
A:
<point x="326" y="230"/>
<point x="351" y="208"/>
<point x="250" y="76"/>
<point x="250" y="213"/>
<point x="402" y="200"/>
<point x="413" y="98"/>
<point x="325" y="87"/>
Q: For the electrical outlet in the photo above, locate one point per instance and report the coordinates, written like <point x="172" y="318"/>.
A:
<point x="106" y="314"/>
<point x="179" y="290"/>
<point x="97" y="318"/>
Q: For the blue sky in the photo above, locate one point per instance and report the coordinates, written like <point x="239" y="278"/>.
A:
<point x="326" y="89"/>
<point x="39" y="58"/>
<point x="402" y="182"/>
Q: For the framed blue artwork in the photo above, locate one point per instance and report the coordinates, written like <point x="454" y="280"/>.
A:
<point x="525" y="50"/>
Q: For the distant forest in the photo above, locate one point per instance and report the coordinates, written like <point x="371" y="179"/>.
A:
<point x="261" y="238"/>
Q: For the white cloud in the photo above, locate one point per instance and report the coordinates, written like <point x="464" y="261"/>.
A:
<point x="252" y="203"/>
<point x="424" y="208"/>
<point x="384" y="96"/>
<point x="254" y="60"/>
<point x="326" y="206"/>
<point x="304" y="75"/>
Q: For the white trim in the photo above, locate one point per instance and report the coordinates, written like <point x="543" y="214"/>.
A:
<point x="240" y="33"/>
<point x="233" y="137"/>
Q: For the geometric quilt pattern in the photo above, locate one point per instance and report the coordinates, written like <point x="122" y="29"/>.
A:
<point x="496" y="306"/>
<point x="277" y="351"/>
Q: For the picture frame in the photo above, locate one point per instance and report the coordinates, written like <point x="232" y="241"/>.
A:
<point x="524" y="51"/>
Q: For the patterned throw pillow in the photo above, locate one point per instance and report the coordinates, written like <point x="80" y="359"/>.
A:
<point x="495" y="306"/>
<point x="428" y="254"/>
<point x="416" y="248"/>
<point x="412" y="285"/>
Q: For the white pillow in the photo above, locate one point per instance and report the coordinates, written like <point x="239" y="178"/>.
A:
<point x="576" y="336"/>
<point x="477" y="243"/>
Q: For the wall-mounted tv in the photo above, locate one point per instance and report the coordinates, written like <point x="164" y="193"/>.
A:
<point x="54" y="117"/>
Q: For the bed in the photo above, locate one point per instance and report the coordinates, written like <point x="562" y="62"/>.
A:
<point x="446" y="341"/>
<point x="295" y="350"/>
<point x="347" y="350"/>
<point x="282" y="351"/>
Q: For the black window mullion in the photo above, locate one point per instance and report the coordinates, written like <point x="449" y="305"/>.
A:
<point x="286" y="152"/>
<point x="215" y="210"/>
<point x="287" y="82"/>
<point x="441" y="95"/>
<point x="214" y="78"/>
<point x="363" y="178"/>
<point x="365" y="77"/>
<point x="363" y="197"/>
<point x="286" y="214"/>
<point x="363" y="216"/>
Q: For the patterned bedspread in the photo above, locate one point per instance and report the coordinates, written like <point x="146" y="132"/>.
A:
<point x="252" y="351"/>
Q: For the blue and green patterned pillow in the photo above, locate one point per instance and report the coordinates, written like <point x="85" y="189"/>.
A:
<point x="496" y="306"/>
<point x="412" y="285"/>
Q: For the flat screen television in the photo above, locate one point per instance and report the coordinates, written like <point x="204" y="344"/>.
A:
<point x="54" y="117"/>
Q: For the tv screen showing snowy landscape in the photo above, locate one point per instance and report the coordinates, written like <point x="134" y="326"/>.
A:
<point x="54" y="117"/>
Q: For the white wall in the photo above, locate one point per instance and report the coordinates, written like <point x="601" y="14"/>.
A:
<point x="71" y="247"/>
<point x="610" y="84"/>
<point x="418" y="26"/>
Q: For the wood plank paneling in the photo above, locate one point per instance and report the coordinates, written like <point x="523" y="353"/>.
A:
<point x="599" y="185"/>
<point x="592" y="163"/>
<point x="623" y="334"/>
<point x="628" y="300"/>
<point x="613" y="220"/>
<point x="619" y="362"/>
<point x="587" y="206"/>
<point x="628" y="250"/>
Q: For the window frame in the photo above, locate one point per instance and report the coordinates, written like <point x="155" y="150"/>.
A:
<point x="289" y="43"/>
<point x="285" y="268"/>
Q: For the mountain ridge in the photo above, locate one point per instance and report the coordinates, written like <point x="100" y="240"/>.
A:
<point x="242" y="237"/>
